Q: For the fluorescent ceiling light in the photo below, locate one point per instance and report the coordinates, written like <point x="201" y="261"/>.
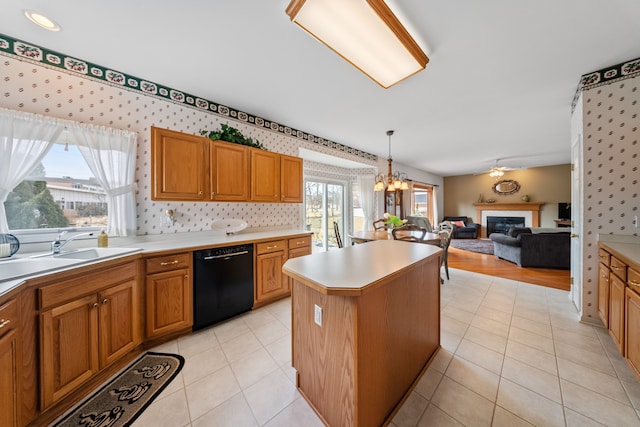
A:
<point x="41" y="20"/>
<point x="365" y="33"/>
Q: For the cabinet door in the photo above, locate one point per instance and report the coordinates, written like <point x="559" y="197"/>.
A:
<point x="69" y="347"/>
<point x="616" y="311"/>
<point x="603" y="294"/>
<point x="229" y="167"/>
<point x="10" y="365"/>
<point x="270" y="281"/>
<point x="169" y="306"/>
<point x="291" y="179"/>
<point x="119" y="321"/>
<point x="9" y="380"/>
<point x="179" y="166"/>
<point x="632" y="334"/>
<point x="265" y="176"/>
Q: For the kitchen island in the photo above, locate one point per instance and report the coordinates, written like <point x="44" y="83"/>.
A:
<point x="365" y="326"/>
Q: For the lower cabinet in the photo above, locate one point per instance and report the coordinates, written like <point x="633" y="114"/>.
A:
<point x="168" y="293"/>
<point x="271" y="283"/>
<point x="10" y="365"/>
<point x="616" y="312"/>
<point x="603" y="294"/>
<point x="632" y="341"/>
<point x="81" y="332"/>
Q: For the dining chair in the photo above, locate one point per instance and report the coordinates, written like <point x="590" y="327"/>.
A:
<point x="422" y="221"/>
<point x="336" y="230"/>
<point x="379" y="224"/>
<point x="408" y="232"/>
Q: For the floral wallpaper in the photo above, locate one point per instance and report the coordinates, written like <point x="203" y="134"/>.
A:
<point x="39" y="81"/>
<point x="610" y="128"/>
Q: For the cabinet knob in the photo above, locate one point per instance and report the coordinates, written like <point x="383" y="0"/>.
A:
<point x="615" y="267"/>
<point x="574" y="235"/>
<point x="95" y="305"/>
<point x="186" y="276"/>
<point x="4" y="322"/>
<point x="200" y="193"/>
<point x="104" y="301"/>
<point x="631" y="282"/>
<point x="174" y="262"/>
<point x="213" y="194"/>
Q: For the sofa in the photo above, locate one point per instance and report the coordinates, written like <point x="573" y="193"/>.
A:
<point x="463" y="228"/>
<point x="532" y="248"/>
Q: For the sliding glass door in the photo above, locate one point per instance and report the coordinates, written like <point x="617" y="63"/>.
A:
<point x="324" y="205"/>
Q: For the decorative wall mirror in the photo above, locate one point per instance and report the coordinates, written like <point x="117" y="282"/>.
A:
<point x="505" y="187"/>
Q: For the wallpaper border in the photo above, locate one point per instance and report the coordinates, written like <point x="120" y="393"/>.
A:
<point x="40" y="55"/>
<point x="623" y="70"/>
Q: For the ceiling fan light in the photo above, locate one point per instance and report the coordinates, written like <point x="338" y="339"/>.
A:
<point x="365" y="33"/>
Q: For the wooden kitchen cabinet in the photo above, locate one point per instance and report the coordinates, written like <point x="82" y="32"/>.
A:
<point x="271" y="284"/>
<point x="299" y="246"/>
<point x="168" y="291"/>
<point x="265" y="176"/>
<point x="603" y="287"/>
<point x="632" y="322"/>
<point x="188" y="167"/>
<point x="86" y="323"/>
<point x="179" y="166"/>
<point x="10" y="365"/>
<point x="291" y="179"/>
<point x="228" y="168"/>
<point x="616" y="312"/>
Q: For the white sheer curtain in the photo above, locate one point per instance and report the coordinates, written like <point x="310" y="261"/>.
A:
<point x="436" y="220"/>
<point x="25" y="139"/>
<point x="111" y="156"/>
<point x="366" y="183"/>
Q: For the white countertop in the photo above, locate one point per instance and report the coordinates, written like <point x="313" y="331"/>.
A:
<point x="355" y="267"/>
<point x="13" y="272"/>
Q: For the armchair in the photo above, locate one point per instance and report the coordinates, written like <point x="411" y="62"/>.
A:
<point x="464" y="228"/>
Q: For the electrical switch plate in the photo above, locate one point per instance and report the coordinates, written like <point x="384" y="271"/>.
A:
<point x="317" y="315"/>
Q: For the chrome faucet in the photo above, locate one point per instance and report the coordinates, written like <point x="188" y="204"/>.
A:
<point x="58" y="244"/>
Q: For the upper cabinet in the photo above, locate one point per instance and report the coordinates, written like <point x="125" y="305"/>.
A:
<point x="291" y="179"/>
<point x="229" y="163"/>
<point x="194" y="168"/>
<point x="179" y="166"/>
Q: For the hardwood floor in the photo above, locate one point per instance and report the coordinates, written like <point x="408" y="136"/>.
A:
<point x="489" y="264"/>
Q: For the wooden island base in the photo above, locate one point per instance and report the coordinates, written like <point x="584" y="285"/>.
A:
<point x="375" y="340"/>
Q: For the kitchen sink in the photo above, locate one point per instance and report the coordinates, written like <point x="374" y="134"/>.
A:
<point x="89" y="253"/>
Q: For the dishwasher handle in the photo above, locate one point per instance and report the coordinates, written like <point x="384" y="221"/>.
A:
<point x="207" y="258"/>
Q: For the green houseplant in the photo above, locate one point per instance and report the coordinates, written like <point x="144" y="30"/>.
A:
<point x="231" y="134"/>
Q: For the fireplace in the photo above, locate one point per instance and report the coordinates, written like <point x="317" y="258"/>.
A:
<point x="502" y="224"/>
<point x="529" y="210"/>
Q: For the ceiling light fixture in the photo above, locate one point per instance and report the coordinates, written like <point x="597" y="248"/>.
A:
<point x="393" y="180"/>
<point x="495" y="173"/>
<point x="42" y="21"/>
<point x="365" y="33"/>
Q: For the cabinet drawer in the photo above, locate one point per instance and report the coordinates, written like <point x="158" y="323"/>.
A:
<point x="299" y="242"/>
<point x="633" y="279"/>
<point x="168" y="262"/>
<point x="87" y="284"/>
<point x="267" y="247"/>
<point x="619" y="268"/>
<point x="604" y="256"/>
<point x="8" y="317"/>
<point x="298" y="252"/>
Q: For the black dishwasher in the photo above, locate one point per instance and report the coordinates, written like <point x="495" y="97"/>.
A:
<point x="222" y="285"/>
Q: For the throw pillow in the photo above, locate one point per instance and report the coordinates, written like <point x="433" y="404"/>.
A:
<point x="516" y="231"/>
<point x="459" y="224"/>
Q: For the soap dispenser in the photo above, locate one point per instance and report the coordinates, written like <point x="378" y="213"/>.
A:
<point x="103" y="239"/>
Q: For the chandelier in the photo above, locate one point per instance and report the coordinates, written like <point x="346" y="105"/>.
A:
<point x="393" y="180"/>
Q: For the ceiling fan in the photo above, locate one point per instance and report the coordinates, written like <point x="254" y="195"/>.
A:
<point x="497" y="171"/>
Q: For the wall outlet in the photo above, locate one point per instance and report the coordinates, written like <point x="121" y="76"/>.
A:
<point x="317" y="315"/>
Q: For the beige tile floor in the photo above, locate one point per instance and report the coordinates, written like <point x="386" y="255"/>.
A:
<point x="513" y="354"/>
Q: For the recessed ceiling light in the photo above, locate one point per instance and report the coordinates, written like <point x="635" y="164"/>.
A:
<point x="41" y="20"/>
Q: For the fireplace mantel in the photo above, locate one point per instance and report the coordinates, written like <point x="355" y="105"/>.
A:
<point x="532" y="207"/>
